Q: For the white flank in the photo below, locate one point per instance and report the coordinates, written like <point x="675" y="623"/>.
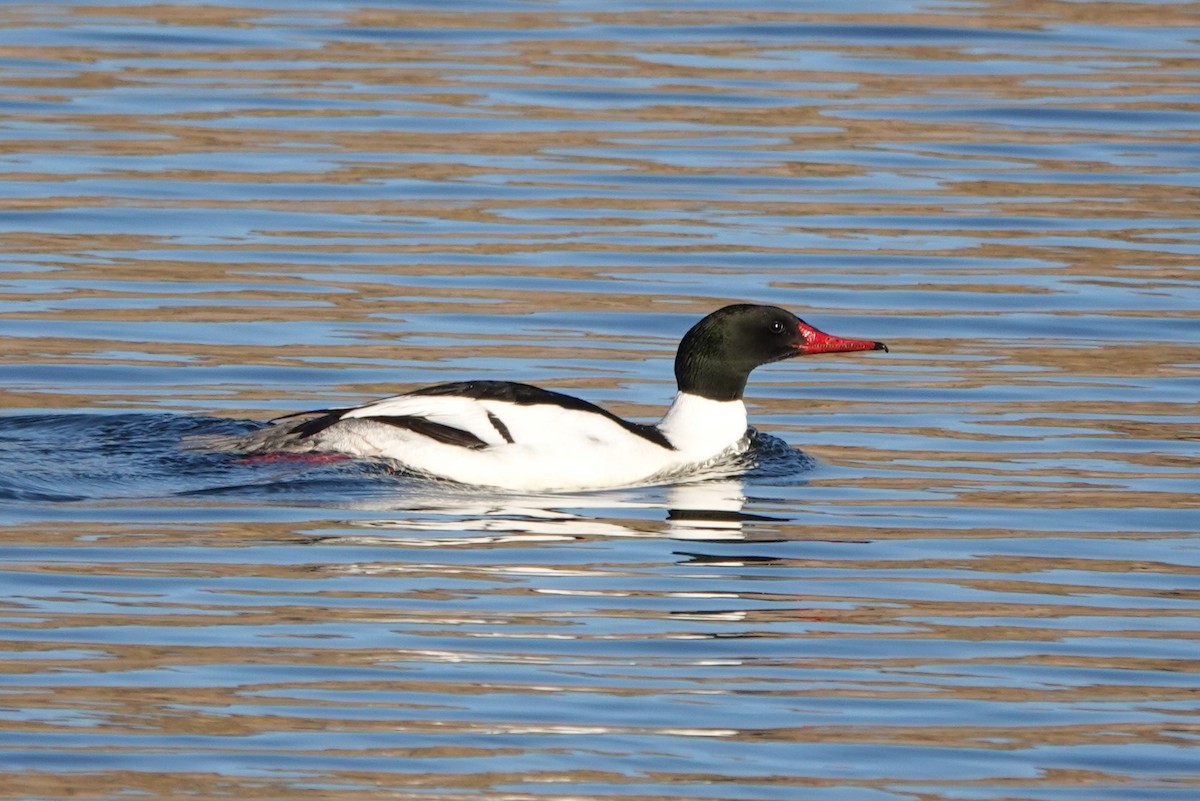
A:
<point x="553" y="449"/>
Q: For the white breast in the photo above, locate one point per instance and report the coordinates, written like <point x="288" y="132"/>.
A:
<point x="701" y="428"/>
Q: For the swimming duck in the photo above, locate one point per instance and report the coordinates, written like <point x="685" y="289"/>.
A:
<point x="515" y="436"/>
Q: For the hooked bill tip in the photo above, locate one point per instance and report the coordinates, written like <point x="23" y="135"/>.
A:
<point x="882" y="347"/>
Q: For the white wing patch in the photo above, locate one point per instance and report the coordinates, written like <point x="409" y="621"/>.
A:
<point x="531" y="424"/>
<point x="465" y="414"/>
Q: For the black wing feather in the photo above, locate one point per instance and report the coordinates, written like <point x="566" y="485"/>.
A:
<point x="325" y="418"/>
<point x="529" y="395"/>
<point x="505" y="391"/>
<point x="437" y="431"/>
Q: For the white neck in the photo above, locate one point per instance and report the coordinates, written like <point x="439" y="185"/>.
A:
<point x="701" y="428"/>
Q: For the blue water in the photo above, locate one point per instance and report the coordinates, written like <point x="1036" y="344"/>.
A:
<point x="964" y="569"/>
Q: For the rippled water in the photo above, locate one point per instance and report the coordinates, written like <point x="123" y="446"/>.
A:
<point x="983" y="584"/>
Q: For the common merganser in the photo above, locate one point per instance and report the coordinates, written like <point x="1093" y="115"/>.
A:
<point x="515" y="436"/>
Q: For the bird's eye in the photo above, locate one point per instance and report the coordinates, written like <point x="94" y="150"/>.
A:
<point x="777" y="327"/>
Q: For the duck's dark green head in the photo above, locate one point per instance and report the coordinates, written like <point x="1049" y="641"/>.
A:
<point x="717" y="355"/>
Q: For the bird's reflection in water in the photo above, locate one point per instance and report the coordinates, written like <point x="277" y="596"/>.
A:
<point x="701" y="510"/>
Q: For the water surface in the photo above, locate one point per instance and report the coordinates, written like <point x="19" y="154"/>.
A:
<point x="982" y="584"/>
